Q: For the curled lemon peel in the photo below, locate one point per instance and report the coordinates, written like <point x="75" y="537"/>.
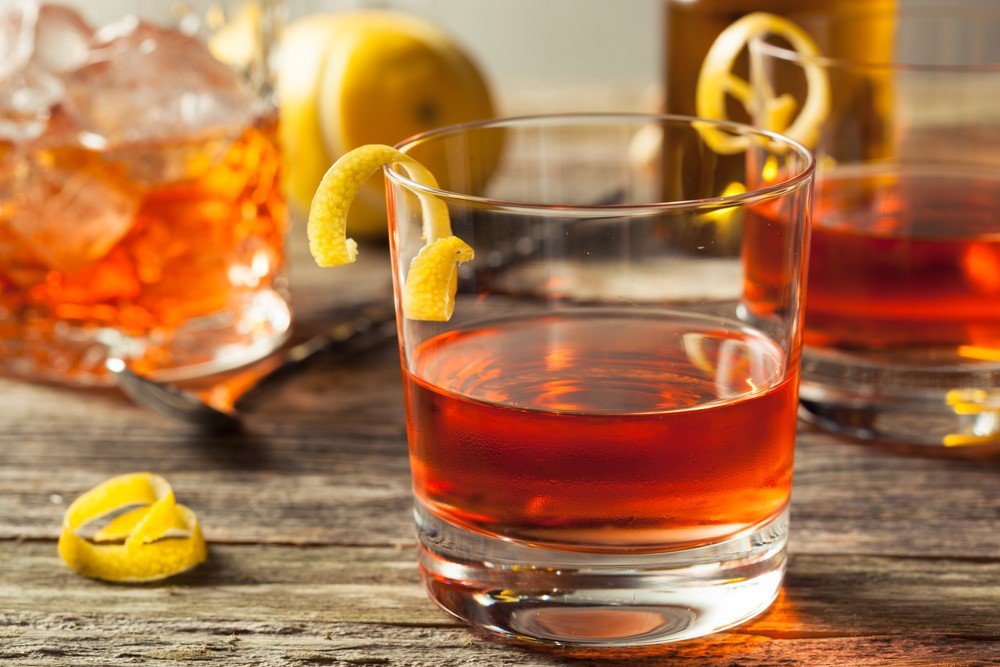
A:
<point x="716" y="80"/>
<point x="156" y="540"/>
<point x="434" y="267"/>
<point x="121" y="526"/>
<point x="432" y="281"/>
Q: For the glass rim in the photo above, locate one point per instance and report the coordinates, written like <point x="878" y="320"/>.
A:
<point x="967" y="14"/>
<point x="767" y="193"/>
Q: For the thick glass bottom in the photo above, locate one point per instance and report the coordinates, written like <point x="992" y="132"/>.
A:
<point x="252" y="328"/>
<point x="576" y="598"/>
<point x="925" y="398"/>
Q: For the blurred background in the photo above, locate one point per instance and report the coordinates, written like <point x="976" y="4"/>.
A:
<point x="165" y="102"/>
<point x="596" y="55"/>
<point x="566" y="43"/>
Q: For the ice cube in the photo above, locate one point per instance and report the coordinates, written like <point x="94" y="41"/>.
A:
<point x="153" y="84"/>
<point x="153" y="164"/>
<point x="18" y="264"/>
<point x="17" y="34"/>
<point x="62" y="39"/>
<point x="68" y="206"/>
<point x="26" y="101"/>
<point x="41" y="43"/>
<point x="20" y="119"/>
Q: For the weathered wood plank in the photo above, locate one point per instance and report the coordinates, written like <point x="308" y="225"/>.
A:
<point x="343" y="604"/>
<point x="380" y="585"/>
<point x="61" y="639"/>
<point x="325" y="461"/>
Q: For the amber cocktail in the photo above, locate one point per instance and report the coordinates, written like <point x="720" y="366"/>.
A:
<point x="902" y="325"/>
<point x="601" y="436"/>
<point x="140" y="210"/>
<point x="597" y="442"/>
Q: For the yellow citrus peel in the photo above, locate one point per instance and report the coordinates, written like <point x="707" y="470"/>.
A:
<point x="157" y="539"/>
<point x="435" y="266"/>
<point x="972" y="402"/>
<point x="350" y="78"/>
<point x="430" y="286"/>
<point x="717" y="80"/>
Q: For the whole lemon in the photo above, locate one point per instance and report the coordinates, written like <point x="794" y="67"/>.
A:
<point x="352" y="78"/>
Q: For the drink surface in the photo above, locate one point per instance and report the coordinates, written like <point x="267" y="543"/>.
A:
<point x="602" y="431"/>
<point x="905" y="260"/>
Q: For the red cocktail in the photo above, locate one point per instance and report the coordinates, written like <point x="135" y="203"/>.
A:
<point x="601" y="435"/>
<point x="902" y="262"/>
<point x="602" y="431"/>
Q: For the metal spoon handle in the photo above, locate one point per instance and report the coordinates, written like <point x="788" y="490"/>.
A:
<point x="214" y="407"/>
<point x="371" y="326"/>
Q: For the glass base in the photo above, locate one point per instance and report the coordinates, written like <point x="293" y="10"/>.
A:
<point x="585" y="599"/>
<point x="251" y="329"/>
<point x="910" y="401"/>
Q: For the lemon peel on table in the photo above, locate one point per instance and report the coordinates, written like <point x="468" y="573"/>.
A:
<point x="716" y="80"/>
<point x="430" y="286"/>
<point x="158" y="539"/>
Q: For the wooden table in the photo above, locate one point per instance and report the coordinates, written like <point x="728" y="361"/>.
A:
<point x="894" y="559"/>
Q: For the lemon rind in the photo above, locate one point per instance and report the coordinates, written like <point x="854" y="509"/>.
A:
<point x="158" y="540"/>
<point x="716" y="80"/>
<point x="432" y="282"/>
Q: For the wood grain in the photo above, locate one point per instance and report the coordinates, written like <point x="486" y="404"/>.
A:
<point x="353" y="603"/>
<point x="102" y="640"/>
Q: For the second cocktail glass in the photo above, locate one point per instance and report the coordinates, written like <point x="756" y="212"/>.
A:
<point x="902" y="328"/>
<point x="601" y="437"/>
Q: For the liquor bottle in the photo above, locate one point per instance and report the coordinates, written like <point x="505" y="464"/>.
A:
<point x="693" y="25"/>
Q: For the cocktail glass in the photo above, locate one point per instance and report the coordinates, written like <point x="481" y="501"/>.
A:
<point x="601" y="436"/>
<point x="902" y="328"/>
<point x="139" y="202"/>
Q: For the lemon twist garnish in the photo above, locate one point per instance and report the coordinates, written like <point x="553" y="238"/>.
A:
<point x="716" y="80"/>
<point x="350" y="78"/>
<point x="436" y="266"/>
<point x="156" y="540"/>
<point x="430" y="286"/>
